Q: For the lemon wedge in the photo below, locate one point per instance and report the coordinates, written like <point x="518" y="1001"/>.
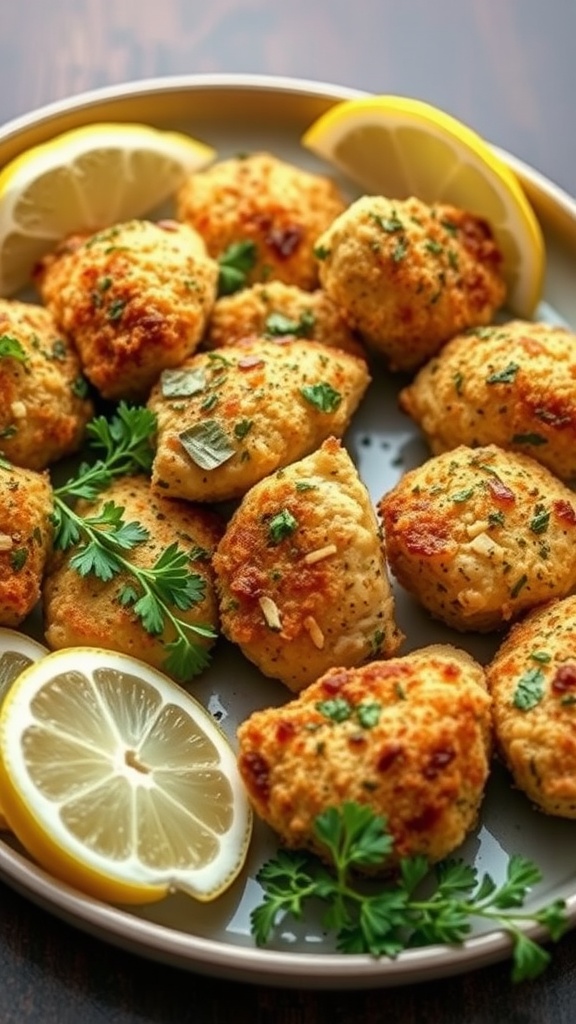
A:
<point x="17" y="651"/>
<point x="400" y="147"/>
<point x="83" y="180"/>
<point x="118" y="782"/>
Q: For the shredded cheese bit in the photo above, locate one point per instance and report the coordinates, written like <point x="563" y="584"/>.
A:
<point x="6" y="542"/>
<point x="18" y="410"/>
<point x="316" y="634"/>
<point x="320" y="554"/>
<point x="270" y="612"/>
<point x="480" y="526"/>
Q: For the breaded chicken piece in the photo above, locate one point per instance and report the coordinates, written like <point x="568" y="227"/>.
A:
<point x="26" y="533"/>
<point x="44" y="403"/>
<point x="228" y="418"/>
<point x="134" y="298"/>
<point x="86" y="611"/>
<point x="409" y="737"/>
<point x="409" y="276"/>
<point x="513" y="385"/>
<point x="481" y="535"/>
<point x="300" y="574"/>
<point x="278" y="310"/>
<point x="258" y="198"/>
<point x="532" y="679"/>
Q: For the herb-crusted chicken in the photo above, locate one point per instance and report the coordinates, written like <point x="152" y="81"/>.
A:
<point x="301" y="578"/>
<point x="26" y="532"/>
<point x="44" y="403"/>
<point x="134" y="298"/>
<point x="228" y="418"/>
<point x="481" y="535"/>
<point x="81" y="609"/>
<point x="532" y="679"/>
<point x="512" y="385"/>
<point x="409" y="737"/>
<point x="409" y="276"/>
<point x="273" y="206"/>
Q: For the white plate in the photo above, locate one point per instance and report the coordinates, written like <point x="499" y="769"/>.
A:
<point x="239" y="113"/>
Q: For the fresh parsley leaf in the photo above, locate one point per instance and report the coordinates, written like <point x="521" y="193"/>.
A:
<point x="322" y="395"/>
<point x="181" y="383"/>
<point x="505" y="376"/>
<point x="529" y="689"/>
<point x="207" y="444"/>
<point x="10" y="348"/>
<point x="235" y="264"/>
<point x="281" y="525"/>
<point x="277" y="325"/>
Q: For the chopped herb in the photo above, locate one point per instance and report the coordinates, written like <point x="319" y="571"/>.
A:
<point x="234" y="266"/>
<point x="10" y="348"/>
<point x="463" y="495"/>
<point x="322" y="395"/>
<point x="369" y="714"/>
<point x="540" y="520"/>
<point x="7" y="432"/>
<point x="450" y="227"/>
<point x="337" y="709"/>
<point x="209" y="402"/>
<point x="278" y="326"/>
<point x="116" y="309"/>
<point x="496" y="518"/>
<point x="304" y="485"/>
<point x="321" y="252"/>
<point x="458" y="379"/>
<point x="242" y="428"/>
<point x="181" y="383"/>
<point x="79" y="387"/>
<point x="533" y="439"/>
<point x="505" y="376"/>
<point x="281" y="525"/>
<point x="400" y="250"/>
<point x="529" y="690"/>
<point x="390" y="224"/>
<point x="207" y="444"/>
<point x="59" y="350"/>
<point x="18" y="558"/>
<point x="519" y="585"/>
<point x="541" y="656"/>
<point x="431" y="245"/>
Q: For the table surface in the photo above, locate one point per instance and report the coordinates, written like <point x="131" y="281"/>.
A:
<point x="505" y="68"/>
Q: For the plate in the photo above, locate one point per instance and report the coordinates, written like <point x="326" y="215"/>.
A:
<point x="237" y="113"/>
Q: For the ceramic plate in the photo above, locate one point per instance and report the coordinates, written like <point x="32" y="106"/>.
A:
<point x="240" y="113"/>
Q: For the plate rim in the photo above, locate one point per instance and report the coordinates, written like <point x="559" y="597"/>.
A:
<point x="158" y="942"/>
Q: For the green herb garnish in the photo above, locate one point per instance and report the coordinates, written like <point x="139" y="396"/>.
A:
<point x="235" y="264"/>
<point x="394" y="917"/>
<point x="10" y="348"/>
<point x="323" y="396"/>
<point x="505" y="376"/>
<point x="281" y="525"/>
<point x="277" y="325"/>
<point x="529" y="690"/>
<point x="207" y="444"/>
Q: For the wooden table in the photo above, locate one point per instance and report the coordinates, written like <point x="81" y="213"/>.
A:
<point x="507" y="69"/>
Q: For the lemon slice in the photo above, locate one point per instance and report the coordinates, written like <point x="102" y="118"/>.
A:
<point x="400" y="147"/>
<point x="85" y="179"/>
<point x="17" y="651"/>
<point x="118" y="782"/>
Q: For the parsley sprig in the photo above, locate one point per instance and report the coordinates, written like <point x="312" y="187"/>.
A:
<point x="155" y="593"/>
<point x="396" y="917"/>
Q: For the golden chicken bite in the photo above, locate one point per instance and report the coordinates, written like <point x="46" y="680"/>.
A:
<point x="409" y="276"/>
<point x="86" y="611"/>
<point x="278" y="310"/>
<point x="532" y="679"/>
<point x="300" y="575"/>
<point x="26" y="532"/>
<point x="409" y="737"/>
<point x="44" y="403"/>
<point x="481" y="535"/>
<point x="134" y="299"/>
<point x="512" y="385"/>
<point x="228" y="418"/>
<point x="278" y="207"/>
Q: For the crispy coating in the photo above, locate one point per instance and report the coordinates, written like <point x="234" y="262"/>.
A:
<point x="86" y="611"/>
<point x="278" y="310"/>
<point x="409" y="276"/>
<point x="532" y="678"/>
<point x="512" y="385"/>
<point x="134" y="298"/>
<point x="26" y="533"/>
<point x="259" y="198"/>
<point x="300" y="574"/>
<point x="44" y="403"/>
<point x="409" y="737"/>
<point x="256" y="406"/>
<point x="479" y="536"/>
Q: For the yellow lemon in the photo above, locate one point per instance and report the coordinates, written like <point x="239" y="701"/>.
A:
<point x="17" y="651"/>
<point x="118" y="782"/>
<point x="85" y="179"/>
<point x="399" y="147"/>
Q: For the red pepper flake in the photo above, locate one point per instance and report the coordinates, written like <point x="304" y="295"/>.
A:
<point x="565" y="679"/>
<point x="285" y="730"/>
<point x="334" y="683"/>
<point x="499" y="490"/>
<point x="437" y="762"/>
<point x="286" y="241"/>
<point x="249" y="362"/>
<point x="564" y="510"/>
<point x="257" y="774"/>
<point x="388" y="756"/>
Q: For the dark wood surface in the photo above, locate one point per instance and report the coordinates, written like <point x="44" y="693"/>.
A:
<point x="507" y="68"/>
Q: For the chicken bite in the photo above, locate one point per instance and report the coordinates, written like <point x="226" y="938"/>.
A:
<point x="532" y="679"/>
<point x="86" y="611"/>
<point x="259" y="199"/>
<point x="44" y="402"/>
<point x="300" y="575"/>
<point x="26" y="533"/>
<point x="481" y="535"/>
<point x="278" y="310"/>
<point x="409" y="737"/>
<point x="409" y="276"/>
<point x="512" y="385"/>
<point x="228" y="418"/>
<point x="134" y="299"/>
